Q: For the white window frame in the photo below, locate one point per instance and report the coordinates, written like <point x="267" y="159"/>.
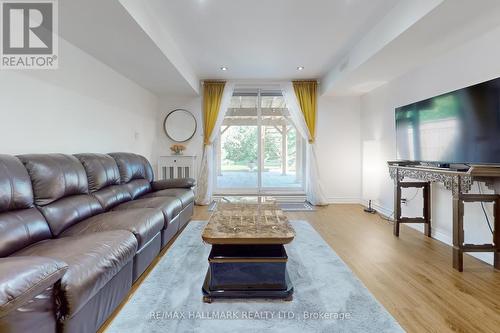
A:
<point x="259" y="189"/>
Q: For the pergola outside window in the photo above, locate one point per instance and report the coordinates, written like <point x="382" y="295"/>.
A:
<point x="258" y="149"/>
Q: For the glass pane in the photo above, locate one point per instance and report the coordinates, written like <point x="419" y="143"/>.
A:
<point x="281" y="146"/>
<point x="281" y="150"/>
<point x="275" y="102"/>
<point x="238" y="145"/>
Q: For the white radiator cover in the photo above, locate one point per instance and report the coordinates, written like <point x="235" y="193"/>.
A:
<point x="177" y="166"/>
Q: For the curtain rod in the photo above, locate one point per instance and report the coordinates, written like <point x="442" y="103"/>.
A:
<point x="258" y="82"/>
<point x="213" y="81"/>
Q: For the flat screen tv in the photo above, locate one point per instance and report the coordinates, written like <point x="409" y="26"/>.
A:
<point x="459" y="127"/>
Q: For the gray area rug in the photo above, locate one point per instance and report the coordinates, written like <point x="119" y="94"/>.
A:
<point x="327" y="298"/>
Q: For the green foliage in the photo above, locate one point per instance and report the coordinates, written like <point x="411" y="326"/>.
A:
<point x="272" y="144"/>
<point x="240" y="144"/>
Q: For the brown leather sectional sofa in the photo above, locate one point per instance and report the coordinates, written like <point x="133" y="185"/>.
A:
<point x="76" y="231"/>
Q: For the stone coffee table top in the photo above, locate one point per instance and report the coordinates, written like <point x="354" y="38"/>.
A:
<point x="237" y="223"/>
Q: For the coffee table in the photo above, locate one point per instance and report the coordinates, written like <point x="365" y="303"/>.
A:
<point x="248" y="259"/>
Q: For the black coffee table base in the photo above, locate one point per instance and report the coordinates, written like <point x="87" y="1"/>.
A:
<point x="247" y="271"/>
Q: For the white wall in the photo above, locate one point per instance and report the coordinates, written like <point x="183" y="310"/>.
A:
<point x="473" y="62"/>
<point x="84" y="106"/>
<point x="338" y="148"/>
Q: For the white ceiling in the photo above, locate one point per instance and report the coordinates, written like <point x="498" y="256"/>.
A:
<point x="352" y="46"/>
<point x="266" y="39"/>
<point x="446" y="26"/>
<point x="105" y="30"/>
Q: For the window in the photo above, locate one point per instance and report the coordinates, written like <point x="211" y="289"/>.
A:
<point x="259" y="149"/>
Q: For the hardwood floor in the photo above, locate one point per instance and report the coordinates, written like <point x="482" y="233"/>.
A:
<point x="411" y="275"/>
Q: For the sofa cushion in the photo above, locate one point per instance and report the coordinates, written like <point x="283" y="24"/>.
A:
<point x="66" y="212"/>
<point x="20" y="223"/>
<point x="15" y="185"/>
<point x="104" y="178"/>
<point x="92" y="261"/>
<point x="55" y="176"/>
<point x="101" y="170"/>
<point x="133" y="166"/>
<point x="61" y="189"/>
<point x="143" y="223"/>
<point x="21" y="228"/>
<point x="113" y="195"/>
<point x="186" y="196"/>
<point x="137" y="187"/>
<point x="169" y="206"/>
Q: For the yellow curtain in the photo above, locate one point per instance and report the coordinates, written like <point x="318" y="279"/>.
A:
<point x="307" y="95"/>
<point x="212" y="96"/>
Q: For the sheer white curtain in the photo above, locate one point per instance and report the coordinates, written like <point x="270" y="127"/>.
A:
<point x="205" y="182"/>
<point x="314" y="191"/>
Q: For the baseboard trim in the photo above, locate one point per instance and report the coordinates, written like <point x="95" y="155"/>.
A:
<point x="342" y="200"/>
<point x="347" y="200"/>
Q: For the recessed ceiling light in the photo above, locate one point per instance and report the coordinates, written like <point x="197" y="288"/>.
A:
<point x="299" y="68"/>
<point x="223" y="68"/>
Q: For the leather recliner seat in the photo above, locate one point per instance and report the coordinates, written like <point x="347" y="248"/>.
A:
<point x="75" y="232"/>
<point x="91" y="262"/>
<point x="137" y="177"/>
<point x="125" y="191"/>
<point x="61" y="191"/>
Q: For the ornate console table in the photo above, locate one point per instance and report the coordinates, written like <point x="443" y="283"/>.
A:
<point x="459" y="183"/>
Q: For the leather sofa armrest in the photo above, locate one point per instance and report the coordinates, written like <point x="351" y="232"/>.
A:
<point x="159" y="185"/>
<point x="23" y="278"/>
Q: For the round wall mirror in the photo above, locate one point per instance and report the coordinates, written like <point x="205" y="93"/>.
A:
<point x="180" y="125"/>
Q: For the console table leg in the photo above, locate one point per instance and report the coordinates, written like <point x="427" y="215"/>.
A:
<point x="427" y="209"/>
<point x="496" y="235"/>
<point x="458" y="233"/>
<point x="395" y="229"/>
<point x="427" y="229"/>
<point x="397" y="208"/>
<point x="458" y="259"/>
